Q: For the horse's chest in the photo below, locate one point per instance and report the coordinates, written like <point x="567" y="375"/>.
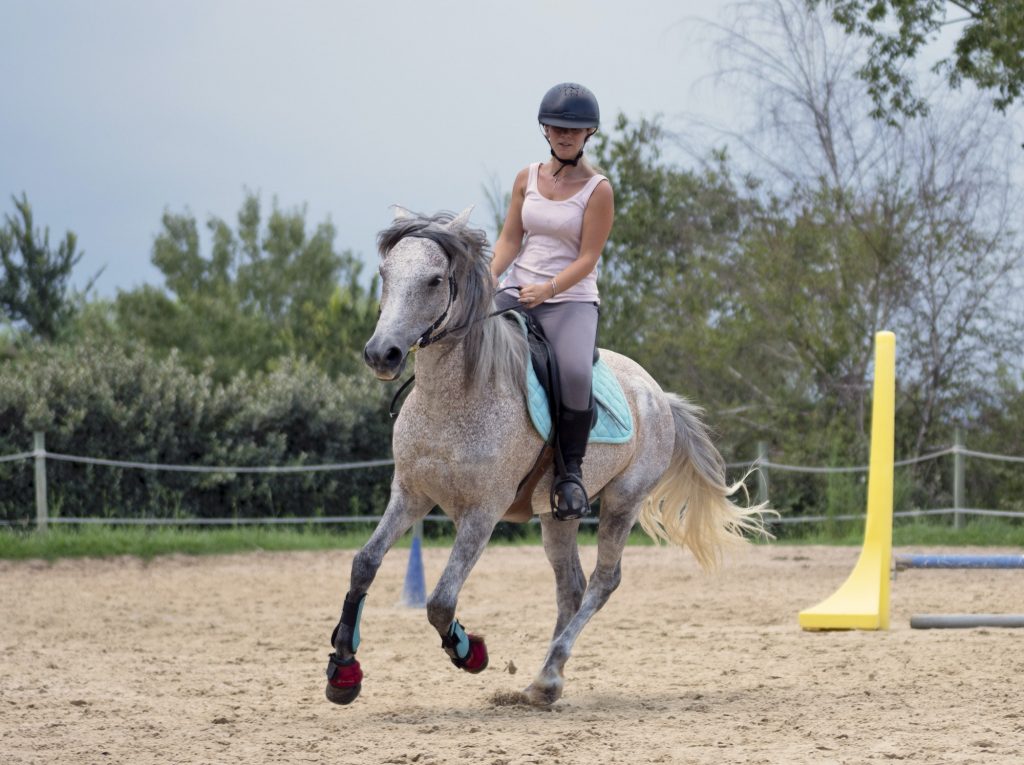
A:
<point x="455" y="447"/>
<point x="452" y="437"/>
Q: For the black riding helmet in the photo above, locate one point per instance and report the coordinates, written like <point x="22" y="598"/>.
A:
<point x="569" y="105"/>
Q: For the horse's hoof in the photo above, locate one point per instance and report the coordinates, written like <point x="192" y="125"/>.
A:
<point x="476" y="661"/>
<point x="542" y="695"/>
<point x="344" y="680"/>
<point x="343" y="695"/>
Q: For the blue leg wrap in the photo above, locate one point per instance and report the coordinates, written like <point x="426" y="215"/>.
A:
<point x="351" y="615"/>
<point x="456" y="642"/>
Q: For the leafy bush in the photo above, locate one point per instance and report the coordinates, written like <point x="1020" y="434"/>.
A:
<point x="117" y="402"/>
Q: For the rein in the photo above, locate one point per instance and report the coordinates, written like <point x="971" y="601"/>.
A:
<point x="427" y="339"/>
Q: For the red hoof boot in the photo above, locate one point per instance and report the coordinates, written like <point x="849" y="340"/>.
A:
<point x="344" y="680"/>
<point x="457" y="642"/>
<point x="476" y="661"/>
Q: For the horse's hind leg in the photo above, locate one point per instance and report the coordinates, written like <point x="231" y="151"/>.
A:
<point x="466" y="651"/>
<point x="612" y="535"/>
<point x="560" y="545"/>
<point x="344" y="676"/>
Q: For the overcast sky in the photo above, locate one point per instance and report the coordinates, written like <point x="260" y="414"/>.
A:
<point x="114" y="111"/>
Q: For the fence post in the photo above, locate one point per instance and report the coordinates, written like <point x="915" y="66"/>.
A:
<point x="762" y="475"/>
<point x="42" y="515"/>
<point x="958" y="478"/>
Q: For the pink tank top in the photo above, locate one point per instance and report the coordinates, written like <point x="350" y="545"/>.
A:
<point x="553" y="232"/>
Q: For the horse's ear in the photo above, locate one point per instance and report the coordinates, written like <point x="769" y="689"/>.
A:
<point x="402" y="212"/>
<point x="460" y="220"/>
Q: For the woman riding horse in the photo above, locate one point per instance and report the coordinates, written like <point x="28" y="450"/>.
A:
<point x="565" y="209"/>
<point x="465" y="439"/>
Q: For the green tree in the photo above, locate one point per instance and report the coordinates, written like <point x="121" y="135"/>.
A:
<point x="660" y="300"/>
<point x="757" y="307"/>
<point x="928" y="205"/>
<point x="34" y="283"/>
<point x="996" y="428"/>
<point x="811" y="289"/>
<point x="865" y="226"/>
<point x="987" y="51"/>
<point x="264" y="292"/>
<point x="759" y="296"/>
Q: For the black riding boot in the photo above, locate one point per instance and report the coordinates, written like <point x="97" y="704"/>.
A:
<point x="568" y="497"/>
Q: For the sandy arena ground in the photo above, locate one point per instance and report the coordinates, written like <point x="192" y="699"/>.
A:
<point x="221" y="660"/>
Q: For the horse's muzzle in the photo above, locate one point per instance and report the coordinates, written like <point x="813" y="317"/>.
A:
<point x="385" y="358"/>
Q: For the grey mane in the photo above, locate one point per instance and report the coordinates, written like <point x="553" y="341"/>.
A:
<point x="494" y="349"/>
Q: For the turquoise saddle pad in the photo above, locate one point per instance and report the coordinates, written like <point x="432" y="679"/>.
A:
<point x="614" y="418"/>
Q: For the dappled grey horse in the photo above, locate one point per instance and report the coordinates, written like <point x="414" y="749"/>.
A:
<point x="464" y="441"/>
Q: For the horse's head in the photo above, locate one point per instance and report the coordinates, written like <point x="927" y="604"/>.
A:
<point x="434" y="277"/>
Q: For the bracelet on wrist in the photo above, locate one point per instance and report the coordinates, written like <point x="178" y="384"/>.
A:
<point x="554" y="289"/>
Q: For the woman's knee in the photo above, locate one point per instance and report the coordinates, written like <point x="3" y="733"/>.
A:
<point x="575" y="387"/>
<point x="575" y="376"/>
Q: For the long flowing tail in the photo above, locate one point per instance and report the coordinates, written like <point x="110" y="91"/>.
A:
<point x="690" y="506"/>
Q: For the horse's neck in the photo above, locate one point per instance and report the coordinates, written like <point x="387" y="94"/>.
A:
<point x="498" y="360"/>
<point x="439" y="372"/>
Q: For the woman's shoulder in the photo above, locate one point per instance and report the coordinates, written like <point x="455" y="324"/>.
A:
<point x="601" y="195"/>
<point x="601" y="186"/>
<point x="523" y="177"/>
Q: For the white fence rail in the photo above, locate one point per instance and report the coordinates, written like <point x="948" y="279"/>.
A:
<point x="759" y="466"/>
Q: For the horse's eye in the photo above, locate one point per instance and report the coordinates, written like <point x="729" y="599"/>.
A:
<point x="435" y="281"/>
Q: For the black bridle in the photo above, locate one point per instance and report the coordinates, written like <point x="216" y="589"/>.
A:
<point x="427" y="338"/>
<point x="453" y="290"/>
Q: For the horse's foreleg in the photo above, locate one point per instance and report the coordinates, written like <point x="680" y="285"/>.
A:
<point x="466" y="651"/>
<point x="561" y="547"/>
<point x="612" y="535"/>
<point x="344" y="676"/>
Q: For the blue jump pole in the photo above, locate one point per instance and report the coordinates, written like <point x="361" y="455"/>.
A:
<point x="414" y="593"/>
<point x="959" y="561"/>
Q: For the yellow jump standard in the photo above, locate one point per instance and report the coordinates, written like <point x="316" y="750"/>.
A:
<point x="862" y="602"/>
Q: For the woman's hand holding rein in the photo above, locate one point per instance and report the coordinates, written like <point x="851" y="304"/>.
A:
<point x="532" y="295"/>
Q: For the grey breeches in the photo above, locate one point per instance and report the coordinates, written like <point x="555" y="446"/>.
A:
<point x="571" y="329"/>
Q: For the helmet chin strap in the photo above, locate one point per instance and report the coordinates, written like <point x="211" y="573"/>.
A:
<point x="565" y="162"/>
